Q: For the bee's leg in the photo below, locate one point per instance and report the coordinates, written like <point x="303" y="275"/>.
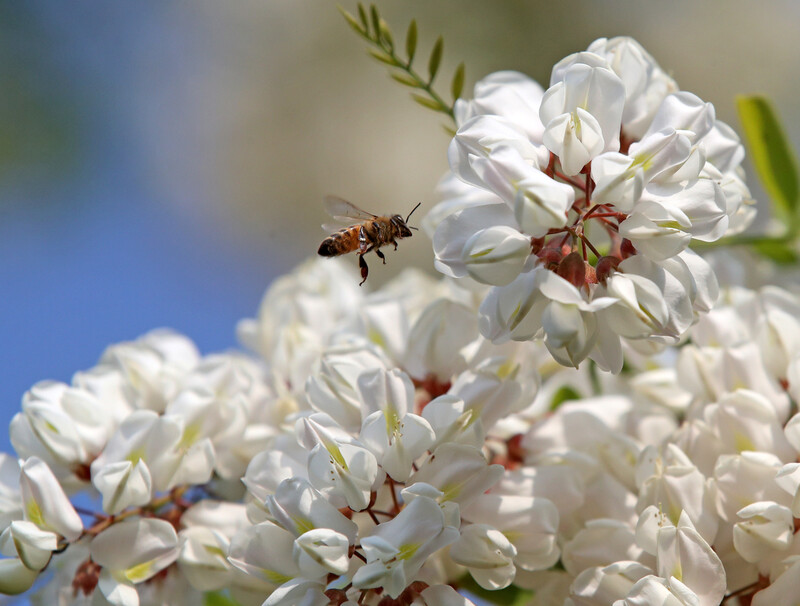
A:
<point x="395" y="243"/>
<point x="364" y="269"/>
<point x="380" y="254"/>
<point x="363" y="245"/>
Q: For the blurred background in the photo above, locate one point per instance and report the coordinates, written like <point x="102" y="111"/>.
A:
<point x="162" y="162"/>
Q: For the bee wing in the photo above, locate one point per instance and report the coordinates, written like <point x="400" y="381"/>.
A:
<point x="331" y="228"/>
<point x="342" y="210"/>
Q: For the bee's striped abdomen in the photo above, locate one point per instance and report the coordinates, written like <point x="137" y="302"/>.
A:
<point x="340" y="243"/>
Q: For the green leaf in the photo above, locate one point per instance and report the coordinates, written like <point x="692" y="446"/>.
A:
<point x="376" y="21"/>
<point x="563" y="394"/>
<point x="435" y="59"/>
<point x="411" y="40"/>
<point x="351" y="20"/>
<point x="406" y="80"/>
<point x="383" y="57"/>
<point x="362" y="15"/>
<point x="510" y="596"/>
<point x="427" y="102"/>
<point x="386" y="35"/>
<point x="773" y="156"/>
<point x="217" y="598"/>
<point x="458" y="82"/>
<point x="776" y="250"/>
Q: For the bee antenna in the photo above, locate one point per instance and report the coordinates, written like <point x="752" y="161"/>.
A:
<point x="412" y="212"/>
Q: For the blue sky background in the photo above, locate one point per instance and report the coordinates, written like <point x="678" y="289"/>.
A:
<point x="91" y="251"/>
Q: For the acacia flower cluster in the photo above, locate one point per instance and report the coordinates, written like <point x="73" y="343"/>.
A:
<point x="389" y="451"/>
<point x="409" y="446"/>
<point x="577" y="204"/>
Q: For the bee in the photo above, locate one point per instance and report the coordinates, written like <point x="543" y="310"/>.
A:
<point x="370" y="234"/>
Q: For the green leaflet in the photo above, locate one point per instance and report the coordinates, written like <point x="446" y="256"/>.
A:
<point x="218" y="598"/>
<point x="370" y="26"/>
<point x="772" y="155"/>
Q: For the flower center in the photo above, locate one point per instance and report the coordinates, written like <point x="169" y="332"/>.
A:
<point x="569" y="251"/>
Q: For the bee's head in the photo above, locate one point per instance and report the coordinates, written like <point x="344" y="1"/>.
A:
<point x="403" y="230"/>
<point x="402" y="224"/>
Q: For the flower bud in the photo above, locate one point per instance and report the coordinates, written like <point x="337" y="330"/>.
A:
<point x="627" y="249"/>
<point x="606" y="265"/>
<point x="573" y="269"/>
<point x="536" y="245"/>
<point x="550" y="257"/>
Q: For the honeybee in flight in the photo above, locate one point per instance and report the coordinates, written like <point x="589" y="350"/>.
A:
<point x="370" y="233"/>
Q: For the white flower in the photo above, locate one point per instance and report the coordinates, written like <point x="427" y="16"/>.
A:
<point x="460" y="472"/>
<point x="646" y="84"/>
<point x="541" y="203"/>
<point x="337" y="463"/>
<point x="682" y="555"/>
<point x="32" y="545"/>
<point x="766" y="527"/>
<point x="15" y="577"/>
<point x="671" y="482"/>
<point x="600" y="586"/>
<point x="600" y="543"/>
<point x="44" y="502"/>
<point x="452" y="422"/>
<point x="509" y="94"/>
<point x="153" y="367"/>
<point x="333" y="388"/>
<point x="205" y="541"/>
<point x="745" y="420"/>
<point x="10" y="498"/>
<point x="686" y="113"/>
<point x="298" y="315"/>
<point x="64" y="426"/>
<point x="783" y="590"/>
<point x="397" y="441"/>
<point x="396" y="550"/>
<point x="496" y="255"/>
<point x="149" y="452"/>
<point x="788" y="478"/>
<point x="582" y="114"/>
<point x="635" y="169"/>
<point x="487" y="554"/>
<point x="437" y="339"/>
<point x="442" y="595"/>
<point x="744" y="479"/>
<point x="262" y="551"/>
<point x="320" y="551"/>
<point x="656" y="590"/>
<point x="298" y="507"/>
<point x="529" y="523"/>
<point x="132" y="552"/>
